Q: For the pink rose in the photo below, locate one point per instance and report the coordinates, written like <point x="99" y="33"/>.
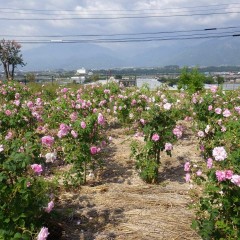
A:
<point x="209" y="163"/>
<point x="210" y="107"/>
<point x="142" y="121"/>
<point x="43" y="234"/>
<point x="155" y="137"/>
<point x="168" y="147"/>
<point x="83" y="125"/>
<point x="167" y="106"/>
<point x="64" y="130"/>
<point x="200" y="134"/>
<point x="187" y="177"/>
<point x="228" y="174"/>
<point x="17" y="95"/>
<point x="188" y="119"/>
<point x="30" y="104"/>
<point x="214" y="88"/>
<point x="8" y="112"/>
<point x="199" y="172"/>
<point x="64" y="127"/>
<point x="221" y="176"/>
<point x="47" y="141"/>
<point x="226" y="113"/>
<point x="187" y="167"/>
<point x="74" y="134"/>
<point x="17" y="102"/>
<point x="49" y="208"/>
<point x="94" y="150"/>
<point x="101" y="120"/>
<point x="106" y="91"/>
<point x="9" y="135"/>
<point x="218" y="110"/>
<point x="237" y="109"/>
<point x="219" y="153"/>
<point x="223" y="129"/>
<point x="236" y="180"/>
<point x="202" y="148"/>
<point x="64" y="90"/>
<point x="73" y="116"/>
<point x="178" y="131"/>
<point x="37" y="168"/>
<point x="134" y="102"/>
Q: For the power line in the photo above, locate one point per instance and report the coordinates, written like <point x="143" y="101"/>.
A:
<point x="151" y="37"/>
<point x="124" y="34"/>
<point x="129" y="40"/>
<point x="123" y="17"/>
<point x="120" y="10"/>
<point x="181" y="35"/>
<point x="107" y="14"/>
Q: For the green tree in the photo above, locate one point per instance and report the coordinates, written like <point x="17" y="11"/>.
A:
<point x="172" y="81"/>
<point x="30" y="77"/>
<point x="209" y="80"/>
<point x="10" y="57"/>
<point x="95" y="77"/>
<point x="192" y="81"/>
<point x="118" y="76"/>
<point x="220" y="80"/>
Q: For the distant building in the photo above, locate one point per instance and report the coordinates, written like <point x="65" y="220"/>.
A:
<point x="128" y="81"/>
<point x="81" y="72"/>
<point x="80" y="76"/>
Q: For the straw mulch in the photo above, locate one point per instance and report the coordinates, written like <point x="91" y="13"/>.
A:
<point x="117" y="204"/>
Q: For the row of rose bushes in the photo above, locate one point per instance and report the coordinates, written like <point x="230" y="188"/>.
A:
<point x="44" y="126"/>
<point x="65" y="125"/>
<point x="216" y="121"/>
<point x="38" y="129"/>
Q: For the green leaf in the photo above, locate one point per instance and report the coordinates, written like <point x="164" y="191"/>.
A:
<point x="17" y="236"/>
<point x="7" y="220"/>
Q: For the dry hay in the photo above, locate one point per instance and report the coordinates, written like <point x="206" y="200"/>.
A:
<point x="119" y="205"/>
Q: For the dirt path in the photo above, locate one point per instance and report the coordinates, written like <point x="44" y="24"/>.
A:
<point x="119" y="205"/>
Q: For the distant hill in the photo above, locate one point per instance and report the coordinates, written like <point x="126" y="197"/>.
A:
<point x="210" y="53"/>
<point x="214" y="52"/>
<point x="206" y="53"/>
<point x="70" y="56"/>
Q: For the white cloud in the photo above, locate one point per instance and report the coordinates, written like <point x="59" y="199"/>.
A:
<point x="101" y="8"/>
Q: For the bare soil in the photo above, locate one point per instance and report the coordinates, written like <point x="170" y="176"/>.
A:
<point x="117" y="204"/>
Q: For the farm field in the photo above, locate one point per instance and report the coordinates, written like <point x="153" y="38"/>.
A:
<point x="119" y="205"/>
<point x="109" y="162"/>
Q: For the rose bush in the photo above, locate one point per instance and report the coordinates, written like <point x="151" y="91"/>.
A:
<point x="158" y="125"/>
<point x="218" y="213"/>
<point x="23" y="191"/>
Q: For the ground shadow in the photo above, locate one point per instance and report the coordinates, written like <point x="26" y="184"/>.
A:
<point x="83" y="221"/>
<point x="173" y="174"/>
<point x="113" y="171"/>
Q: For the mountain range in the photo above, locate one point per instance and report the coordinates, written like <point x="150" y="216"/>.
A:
<point x="214" y="52"/>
